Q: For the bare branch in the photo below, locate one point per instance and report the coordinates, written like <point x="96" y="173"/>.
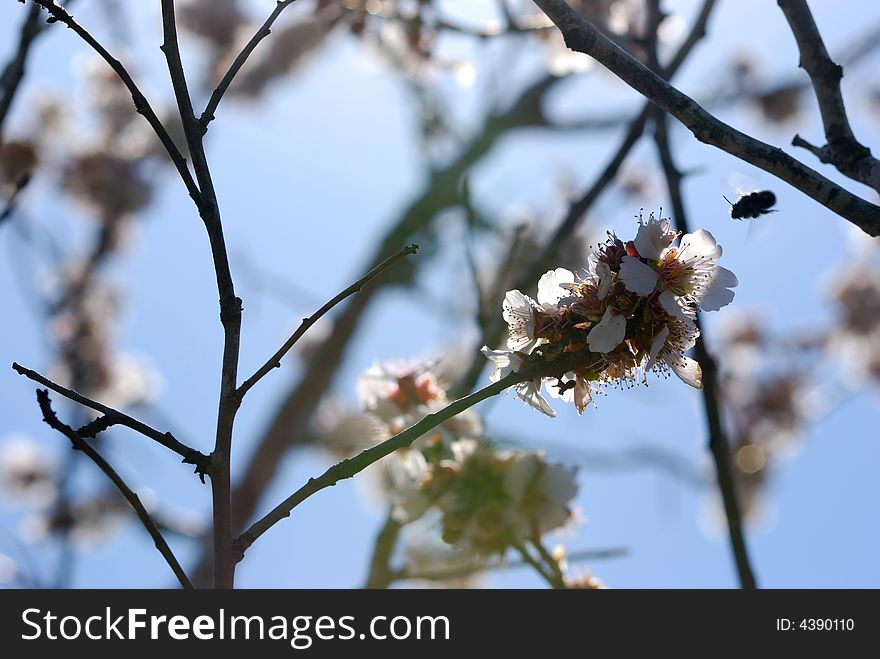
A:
<point x="275" y="360"/>
<point x="583" y="37"/>
<point x="80" y="444"/>
<point x="843" y="150"/>
<point x="230" y="309"/>
<point x="141" y="104"/>
<point x="264" y="31"/>
<point x="113" y="417"/>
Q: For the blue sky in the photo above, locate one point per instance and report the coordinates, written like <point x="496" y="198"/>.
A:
<point x="310" y="177"/>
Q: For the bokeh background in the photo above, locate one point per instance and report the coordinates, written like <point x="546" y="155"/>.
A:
<point x="314" y="168"/>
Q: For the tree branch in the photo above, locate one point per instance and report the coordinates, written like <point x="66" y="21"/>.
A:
<point x="141" y="104"/>
<point x="583" y="37"/>
<point x="80" y="444"/>
<point x="264" y="31"/>
<point x="843" y="150"/>
<point x="113" y="417"/>
<point x="230" y="309"/>
<point x="718" y="443"/>
<point x="275" y="360"/>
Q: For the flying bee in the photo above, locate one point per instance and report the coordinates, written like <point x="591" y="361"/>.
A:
<point x="752" y="202"/>
<point x="752" y="205"/>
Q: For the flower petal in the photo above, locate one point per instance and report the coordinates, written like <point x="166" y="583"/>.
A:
<point x="698" y="245"/>
<point x="688" y="370"/>
<point x="637" y="277"/>
<point x="529" y="392"/>
<point x="506" y="362"/>
<point x="718" y="294"/>
<point x="656" y="346"/>
<point x="519" y="312"/>
<point x="676" y="306"/>
<point x="550" y="289"/>
<point x="653" y="238"/>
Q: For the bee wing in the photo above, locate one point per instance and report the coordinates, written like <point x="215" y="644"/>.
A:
<point x="741" y="183"/>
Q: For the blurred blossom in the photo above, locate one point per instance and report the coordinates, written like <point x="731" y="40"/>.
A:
<point x="627" y="17"/>
<point x="489" y="499"/>
<point x="217" y="21"/>
<point x="52" y="114"/>
<point x="131" y="380"/>
<point x="343" y="431"/>
<point x="111" y="186"/>
<point x="402" y="394"/>
<point x="437" y="564"/>
<point x="108" y="97"/>
<point x="781" y="104"/>
<point x="283" y="54"/>
<point x="18" y="159"/>
<point x="637" y="185"/>
<point x="584" y="582"/>
<point x="856" y="339"/>
<point x="857" y="295"/>
<point x="465" y="72"/>
<point x="559" y="59"/>
<point x="631" y="312"/>
<point x="27" y="471"/>
<point x="87" y="522"/>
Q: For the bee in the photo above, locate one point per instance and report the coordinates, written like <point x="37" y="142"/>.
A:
<point x="752" y="204"/>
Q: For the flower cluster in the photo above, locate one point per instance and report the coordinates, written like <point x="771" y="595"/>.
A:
<point x="632" y="312"/>
<point x="488" y="499"/>
<point x="481" y="498"/>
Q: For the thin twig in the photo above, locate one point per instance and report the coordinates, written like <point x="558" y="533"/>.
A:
<point x="275" y="360"/>
<point x="844" y="151"/>
<point x="552" y="579"/>
<point x="457" y="572"/>
<point x="583" y="37"/>
<point x="141" y="104"/>
<point x="718" y="442"/>
<point x="113" y="417"/>
<point x="264" y="31"/>
<point x="80" y="444"/>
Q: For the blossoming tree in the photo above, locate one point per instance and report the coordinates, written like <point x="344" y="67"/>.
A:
<point x="555" y="318"/>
